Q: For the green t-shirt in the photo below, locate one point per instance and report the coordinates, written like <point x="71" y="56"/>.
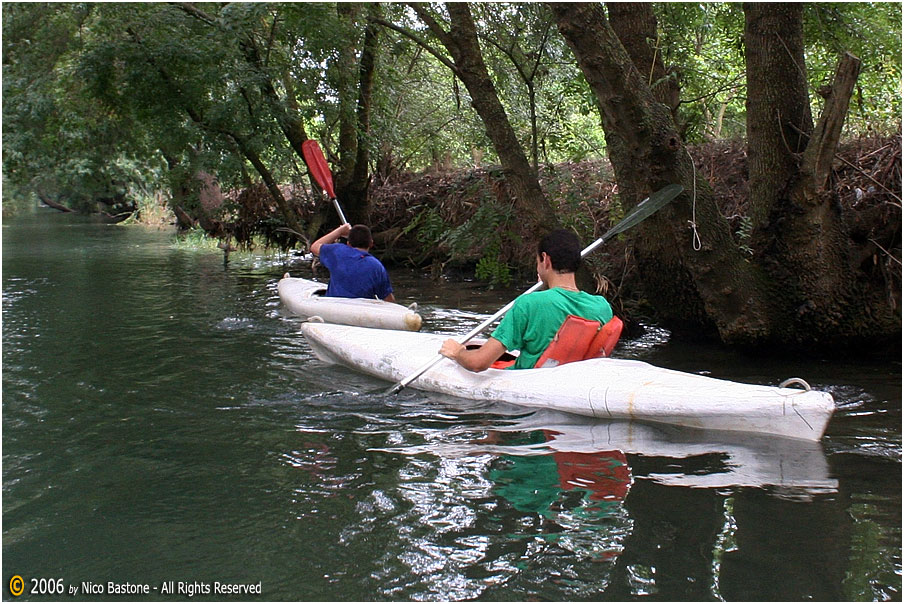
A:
<point x="536" y="317"/>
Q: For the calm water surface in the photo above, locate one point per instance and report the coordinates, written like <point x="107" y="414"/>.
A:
<point x="163" y="422"/>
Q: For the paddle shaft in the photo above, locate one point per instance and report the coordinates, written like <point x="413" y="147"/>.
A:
<point x="339" y="210"/>
<point x="644" y="209"/>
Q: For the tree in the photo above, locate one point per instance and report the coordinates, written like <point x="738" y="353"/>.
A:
<point x="204" y="104"/>
<point x="57" y="142"/>
<point x="355" y="74"/>
<point x="797" y="289"/>
<point x="523" y="36"/>
<point x="461" y="42"/>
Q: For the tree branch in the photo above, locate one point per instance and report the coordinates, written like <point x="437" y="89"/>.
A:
<point x="194" y="11"/>
<point x="821" y="149"/>
<point x="417" y="40"/>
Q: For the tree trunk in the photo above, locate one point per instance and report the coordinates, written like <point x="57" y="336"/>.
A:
<point x="634" y="23"/>
<point x="346" y="63"/>
<point x="355" y="99"/>
<point x="800" y="235"/>
<point x="799" y="288"/>
<point x="778" y="106"/>
<point x="535" y="212"/>
<point x="50" y="203"/>
<point x="707" y="290"/>
<point x="287" y="210"/>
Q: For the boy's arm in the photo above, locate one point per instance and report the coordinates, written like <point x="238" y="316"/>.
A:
<point x="332" y="237"/>
<point x="477" y="359"/>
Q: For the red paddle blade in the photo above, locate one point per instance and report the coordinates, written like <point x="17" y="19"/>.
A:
<point x="313" y="156"/>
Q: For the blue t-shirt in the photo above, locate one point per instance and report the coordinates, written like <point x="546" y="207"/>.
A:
<point x="353" y="273"/>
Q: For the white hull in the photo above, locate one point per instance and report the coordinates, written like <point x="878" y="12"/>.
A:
<point x="305" y="298"/>
<point x="601" y="388"/>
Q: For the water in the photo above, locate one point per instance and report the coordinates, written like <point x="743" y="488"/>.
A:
<point x="164" y="422"/>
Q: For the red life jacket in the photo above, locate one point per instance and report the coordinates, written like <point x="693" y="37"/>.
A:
<point x="579" y="339"/>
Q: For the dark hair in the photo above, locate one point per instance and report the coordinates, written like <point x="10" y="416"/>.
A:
<point x="563" y="248"/>
<point x="360" y="237"/>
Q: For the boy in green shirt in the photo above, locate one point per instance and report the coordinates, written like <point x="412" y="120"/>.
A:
<point x="536" y="317"/>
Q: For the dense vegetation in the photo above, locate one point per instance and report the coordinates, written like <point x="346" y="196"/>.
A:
<point x="203" y="107"/>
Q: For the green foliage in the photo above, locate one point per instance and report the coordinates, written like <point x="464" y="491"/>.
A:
<point x="872" y="32"/>
<point x="103" y="99"/>
<point x="480" y="231"/>
<point x="705" y="44"/>
<point x="421" y="112"/>
<point x="481" y="237"/>
<point x="571" y="200"/>
<point x="485" y="233"/>
<point x="430" y="226"/>
<point x="194" y="239"/>
<point x="491" y="269"/>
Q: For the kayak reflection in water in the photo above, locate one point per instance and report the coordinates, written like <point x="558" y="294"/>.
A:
<point x="354" y="272"/>
<point x="535" y="317"/>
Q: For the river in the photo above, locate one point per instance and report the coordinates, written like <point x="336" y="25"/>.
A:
<point x="168" y="434"/>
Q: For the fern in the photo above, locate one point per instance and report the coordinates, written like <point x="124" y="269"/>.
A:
<point x="744" y="233"/>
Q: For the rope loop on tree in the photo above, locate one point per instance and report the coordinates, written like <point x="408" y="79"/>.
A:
<point x="698" y="245"/>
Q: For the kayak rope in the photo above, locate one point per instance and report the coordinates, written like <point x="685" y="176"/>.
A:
<point x="807" y="388"/>
<point x="797" y="381"/>
<point x="314" y="319"/>
<point x="698" y="245"/>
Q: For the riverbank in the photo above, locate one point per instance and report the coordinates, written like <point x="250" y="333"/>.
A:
<point x="451" y="221"/>
<point x="459" y="224"/>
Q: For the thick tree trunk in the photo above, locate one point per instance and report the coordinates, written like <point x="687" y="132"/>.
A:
<point x="346" y="63"/>
<point x="800" y="288"/>
<point x="801" y="238"/>
<point x="710" y="289"/>
<point x="778" y="106"/>
<point x="633" y="23"/>
<point x="461" y="42"/>
<point x="355" y="99"/>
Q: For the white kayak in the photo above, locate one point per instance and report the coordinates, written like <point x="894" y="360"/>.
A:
<point x="306" y="299"/>
<point x="601" y="388"/>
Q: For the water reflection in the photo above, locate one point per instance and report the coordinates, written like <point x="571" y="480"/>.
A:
<point x="697" y="458"/>
<point x="610" y="497"/>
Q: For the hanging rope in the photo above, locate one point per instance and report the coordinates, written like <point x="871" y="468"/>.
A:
<point x="698" y="245"/>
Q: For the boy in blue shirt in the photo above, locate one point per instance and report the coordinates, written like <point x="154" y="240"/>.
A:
<point x="354" y="273"/>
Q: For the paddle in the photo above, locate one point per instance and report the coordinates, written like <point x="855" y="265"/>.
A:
<point x="313" y="156"/>
<point x="643" y="210"/>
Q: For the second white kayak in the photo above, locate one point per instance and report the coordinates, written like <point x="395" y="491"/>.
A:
<point x="306" y="299"/>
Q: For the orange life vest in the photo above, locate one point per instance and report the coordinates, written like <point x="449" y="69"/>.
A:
<point x="579" y="339"/>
